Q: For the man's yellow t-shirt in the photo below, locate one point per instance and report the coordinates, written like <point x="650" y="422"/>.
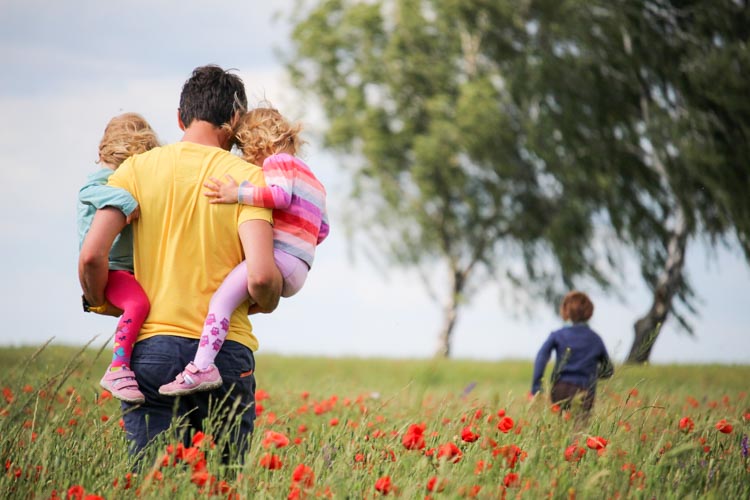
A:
<point x="183" y="246"/>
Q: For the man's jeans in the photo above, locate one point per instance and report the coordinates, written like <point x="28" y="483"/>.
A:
<point x="158" y="360"/>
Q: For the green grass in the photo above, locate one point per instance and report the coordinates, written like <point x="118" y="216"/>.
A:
<point x="57" y="432"/>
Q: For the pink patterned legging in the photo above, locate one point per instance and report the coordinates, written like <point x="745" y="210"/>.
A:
<point x="124" y="292"/>
<point x="232" y="293"/>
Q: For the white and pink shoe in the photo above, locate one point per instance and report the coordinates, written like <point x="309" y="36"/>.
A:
<point x="193" y="380"/>
<point x="123" y="386"/>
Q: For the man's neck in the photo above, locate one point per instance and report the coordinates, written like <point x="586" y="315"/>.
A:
<point x="205" y="133"/>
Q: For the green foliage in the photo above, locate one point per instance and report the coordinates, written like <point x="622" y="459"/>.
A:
<point x="501" y="139"/>
<point x="346" y="419"/>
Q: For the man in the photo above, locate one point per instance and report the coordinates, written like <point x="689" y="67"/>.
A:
<point x="183" y="249"/>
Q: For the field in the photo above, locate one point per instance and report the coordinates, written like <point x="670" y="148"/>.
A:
<point x="365" y="428"/>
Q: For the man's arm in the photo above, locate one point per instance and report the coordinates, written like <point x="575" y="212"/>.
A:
<point x="263" y="277"/>
<point x="93" y="261"/>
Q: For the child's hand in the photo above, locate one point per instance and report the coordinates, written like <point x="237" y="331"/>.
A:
<point x="222" y="192"/>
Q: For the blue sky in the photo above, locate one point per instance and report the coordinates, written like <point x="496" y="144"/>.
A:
<point x="70" y="66"/>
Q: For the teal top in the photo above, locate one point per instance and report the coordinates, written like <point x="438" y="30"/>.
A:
<point x="95" y="194"/>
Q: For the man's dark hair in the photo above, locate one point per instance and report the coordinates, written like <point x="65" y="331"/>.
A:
<point x="212" y="94"/>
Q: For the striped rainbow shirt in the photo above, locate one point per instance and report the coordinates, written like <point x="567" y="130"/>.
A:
<point x="298" y="200"/>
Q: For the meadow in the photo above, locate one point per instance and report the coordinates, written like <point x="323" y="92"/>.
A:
<point x="366" y="428"/>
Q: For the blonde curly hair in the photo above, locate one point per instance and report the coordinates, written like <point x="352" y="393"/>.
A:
<point x="262" y="132"/>
<point x="124" y="136"/>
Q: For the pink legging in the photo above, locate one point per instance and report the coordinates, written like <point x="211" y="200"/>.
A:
<point x="232" y="293"/>
<point x="124" y="292"/>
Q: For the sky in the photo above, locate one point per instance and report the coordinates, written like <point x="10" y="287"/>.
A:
<point x="68" y="67"/>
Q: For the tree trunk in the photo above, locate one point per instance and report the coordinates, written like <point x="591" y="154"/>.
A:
<point x="648" y="327"/>
<point x="450" y="316"/>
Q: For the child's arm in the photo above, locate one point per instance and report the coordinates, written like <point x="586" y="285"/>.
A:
<point x="102" y="195"/>
<point x="221" y="192"/>
<point x="540" y="364"/>
<point x="279" y="173"/>
<point x="605" y="368"/>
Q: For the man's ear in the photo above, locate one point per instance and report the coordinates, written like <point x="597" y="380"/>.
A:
<point x="179" y="120"/>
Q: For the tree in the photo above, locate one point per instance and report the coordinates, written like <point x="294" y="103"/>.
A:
<point x="499" y="136"/>
<point x="627" y="89"/>
<point x="410" y="88"/>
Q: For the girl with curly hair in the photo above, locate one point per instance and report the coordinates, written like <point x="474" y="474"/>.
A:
<point x="300" y="221"/>
<point x="124" y="136"/>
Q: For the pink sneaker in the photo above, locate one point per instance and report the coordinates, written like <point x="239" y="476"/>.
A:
<point x="122" y="384"/>
<point x="193" y="380"/>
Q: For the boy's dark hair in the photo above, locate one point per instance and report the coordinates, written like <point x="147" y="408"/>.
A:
<point x="576" y="307"/>
<point x="212" y="94"/>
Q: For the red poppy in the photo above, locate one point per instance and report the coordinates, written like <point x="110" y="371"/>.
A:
<point x="384" y="485"/>
<point x="8" y="395"/>
<point x="304" y="475"/>
<point x="200" y="438"/>
<point x="481" y="466"/>
<point x="511" y="479"/>
<point x="194" y="457"/>
<point x="468" y="436"/>
<point x="512" y="454"/>
<point x="200" y="478"/>
<point x="75" y="492"/>
<point x="449" y="451"/>
<point x="505" y="424"/>
<point x="414" y="437"/>
<point x="723" y="426"/>
<point x="574" y="453"/>
<point x="389" y="455"/>
<point x="434" y="485"/>
<point x="271" y="462"/>
<point x="596" y="442"/>
<point x="686" y="424"/>
<point x="273" y="438"/>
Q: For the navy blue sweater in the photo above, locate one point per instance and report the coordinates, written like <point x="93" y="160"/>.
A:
<point x="580" y="357"/>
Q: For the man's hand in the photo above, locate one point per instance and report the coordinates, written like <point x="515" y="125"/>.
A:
<point x="106" y="309"/>
<point x="134" y="215"/>
<point x="111" y="310"/>
<point x="263" y="277"/>
<point x="220" y="192"/>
